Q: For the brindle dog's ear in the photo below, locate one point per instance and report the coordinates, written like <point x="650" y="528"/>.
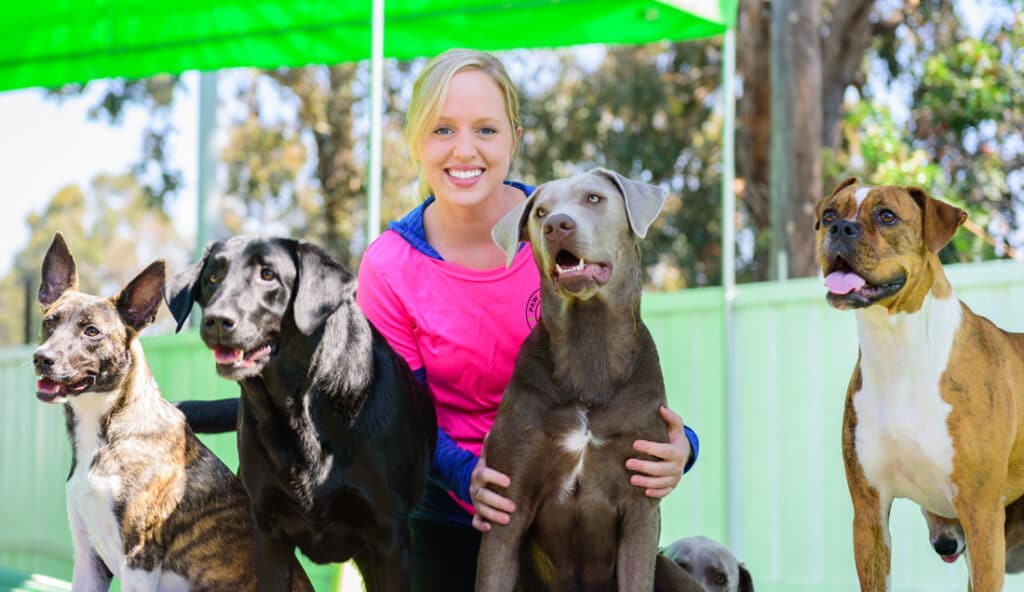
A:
<point x="940" y="220"/>
<point x="59" y="272"/>
<point x="643" y="200"/>
<point x="139" y="301"/>
<point x="821" y="202"/>
<point x="508" y="232"/>
<point x="746" y="582"/>
<point x="321" y="286"/>
<point x="182" y="290"/>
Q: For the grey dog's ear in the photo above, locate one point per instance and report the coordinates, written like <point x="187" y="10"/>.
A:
<point x="746" y="582"/>
<point x="508" y="232"/>
<point x="643" y="200"/>
<point x="181" y="291"/>
<point x="59" y="272"/>
<point x="322" y="285"/>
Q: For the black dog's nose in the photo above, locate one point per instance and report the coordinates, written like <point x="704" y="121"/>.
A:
<point x="42" y="359"/>
<point x="559" y="226"/>
<point x="846" y="228"/>
<point x="945" y="546"/>
<point x="218" y="322"/>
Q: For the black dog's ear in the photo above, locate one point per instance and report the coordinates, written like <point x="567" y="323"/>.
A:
<point x="139" y="301"/>
<point x="821" y="202"/>
<point x="940" y="220"/>
<point x="322" y="285"/>
<point x="59" y="272"/>
<point x="643" y="200"/>
<point x="746" y="582"/>
<point x="182" y="290"/>
<point x="508" y="232"/>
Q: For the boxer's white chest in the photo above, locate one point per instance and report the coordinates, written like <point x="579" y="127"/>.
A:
<point x="902" y="437"/>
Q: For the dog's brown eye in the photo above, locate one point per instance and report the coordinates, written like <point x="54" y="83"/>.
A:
<point x="49" y="323"/>
<point x="540" y="212"/>
<point x="887" y="217"/>
<point x="829" y="216"/>
<point x="214" y="278"/>
<point x="267" y="274"/>
<point x="720" y="579"/>
<point x="594" y="198"/>
<point x="92" y="331"/>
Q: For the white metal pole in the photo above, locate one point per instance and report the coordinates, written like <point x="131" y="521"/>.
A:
<point x="207" y="165"/>
<point x="376" y="120"/>
<point x="732" y="404"/>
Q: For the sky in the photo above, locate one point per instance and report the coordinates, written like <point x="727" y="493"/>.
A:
<point x="46" y="145"/>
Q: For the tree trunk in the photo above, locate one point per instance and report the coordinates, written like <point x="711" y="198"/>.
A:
<point x="795" y="176"/>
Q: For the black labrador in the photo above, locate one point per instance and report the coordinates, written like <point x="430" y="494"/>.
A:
<point x="335" y="435"/>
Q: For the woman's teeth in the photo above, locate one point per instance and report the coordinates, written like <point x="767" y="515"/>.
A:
<point x="465" y="174"/>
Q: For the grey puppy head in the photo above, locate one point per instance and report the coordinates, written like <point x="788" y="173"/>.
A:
<point x="714" y="566"/>
<point x="584" y="231"/>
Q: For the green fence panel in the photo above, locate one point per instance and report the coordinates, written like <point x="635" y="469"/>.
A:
<point x="789" y="518"/>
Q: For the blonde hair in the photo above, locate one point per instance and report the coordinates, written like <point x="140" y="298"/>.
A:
<point x="431" y="88"/>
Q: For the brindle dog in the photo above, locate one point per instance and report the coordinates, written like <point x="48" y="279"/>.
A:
<point x="147" y="502"/>
<point x="586" y="384"/>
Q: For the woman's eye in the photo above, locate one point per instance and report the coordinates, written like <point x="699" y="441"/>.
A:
<point x="443" y="131"/>
<point x="829" y="216"/>
<point x="267" y="274"/>
<point x="92" y="331"/>
<point x="487" y="131"/>
<point x="594" y="198"/>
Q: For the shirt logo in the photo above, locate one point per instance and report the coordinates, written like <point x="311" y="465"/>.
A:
<point x="533" y="310"/>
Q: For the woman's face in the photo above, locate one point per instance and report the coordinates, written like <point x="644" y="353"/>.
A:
<point x="467" y="152"/>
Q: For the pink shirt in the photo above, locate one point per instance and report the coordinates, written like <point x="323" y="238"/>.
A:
<point x="463" y="326"/>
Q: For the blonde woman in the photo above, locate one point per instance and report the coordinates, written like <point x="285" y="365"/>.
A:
<point x="436" y="286"/>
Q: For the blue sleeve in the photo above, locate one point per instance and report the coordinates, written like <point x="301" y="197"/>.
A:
<point x="453" y="466"/>
<point x="694" y="447"/>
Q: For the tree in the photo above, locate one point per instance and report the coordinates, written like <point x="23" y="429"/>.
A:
<point x="113" y="230"/>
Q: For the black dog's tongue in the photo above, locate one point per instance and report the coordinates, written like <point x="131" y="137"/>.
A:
<point x="227" y="355"/>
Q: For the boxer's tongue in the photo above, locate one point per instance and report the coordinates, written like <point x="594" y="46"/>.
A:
<point x="843" y="282"/>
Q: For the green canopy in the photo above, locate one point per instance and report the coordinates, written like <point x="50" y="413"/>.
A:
<point x="51" y="42"/>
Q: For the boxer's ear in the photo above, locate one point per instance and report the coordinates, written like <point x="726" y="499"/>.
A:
<point x="821" y="202"/>
<point x="846" y="183"/>
<point x="939" y="220"/>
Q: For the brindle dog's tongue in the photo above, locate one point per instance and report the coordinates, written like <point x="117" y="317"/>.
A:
<point x="226" y="355"/>
<point x="49" y="387"/>
<point x="843" y="282"/>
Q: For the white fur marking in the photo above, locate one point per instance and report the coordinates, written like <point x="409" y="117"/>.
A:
<point x="91" y="495"/>
<point x="576" y="443"/>
<point x="861" y="194"/>
<point x="902" y="440"/>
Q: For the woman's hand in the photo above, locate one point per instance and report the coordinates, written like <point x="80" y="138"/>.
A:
<point x="490" y="507"/>
<point x="660" y="477"/>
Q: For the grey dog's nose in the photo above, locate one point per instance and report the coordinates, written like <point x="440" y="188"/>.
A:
<point x="220" y="323"/>
<point x="42" y="359"/>
<point x="945" y="546"/>
<point x="846" y="229"/>
<point x="558" y="226"/>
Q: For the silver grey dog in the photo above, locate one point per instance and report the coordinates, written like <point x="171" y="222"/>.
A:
<point x="714" y="566"/>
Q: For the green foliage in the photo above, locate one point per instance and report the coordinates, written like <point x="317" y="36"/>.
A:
<point x="113" y="232"/>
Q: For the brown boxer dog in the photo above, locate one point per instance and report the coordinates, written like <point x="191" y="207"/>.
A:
<point x="935" y="406"/>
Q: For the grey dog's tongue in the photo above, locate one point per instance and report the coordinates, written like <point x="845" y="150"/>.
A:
<point x="843" y="282"/>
